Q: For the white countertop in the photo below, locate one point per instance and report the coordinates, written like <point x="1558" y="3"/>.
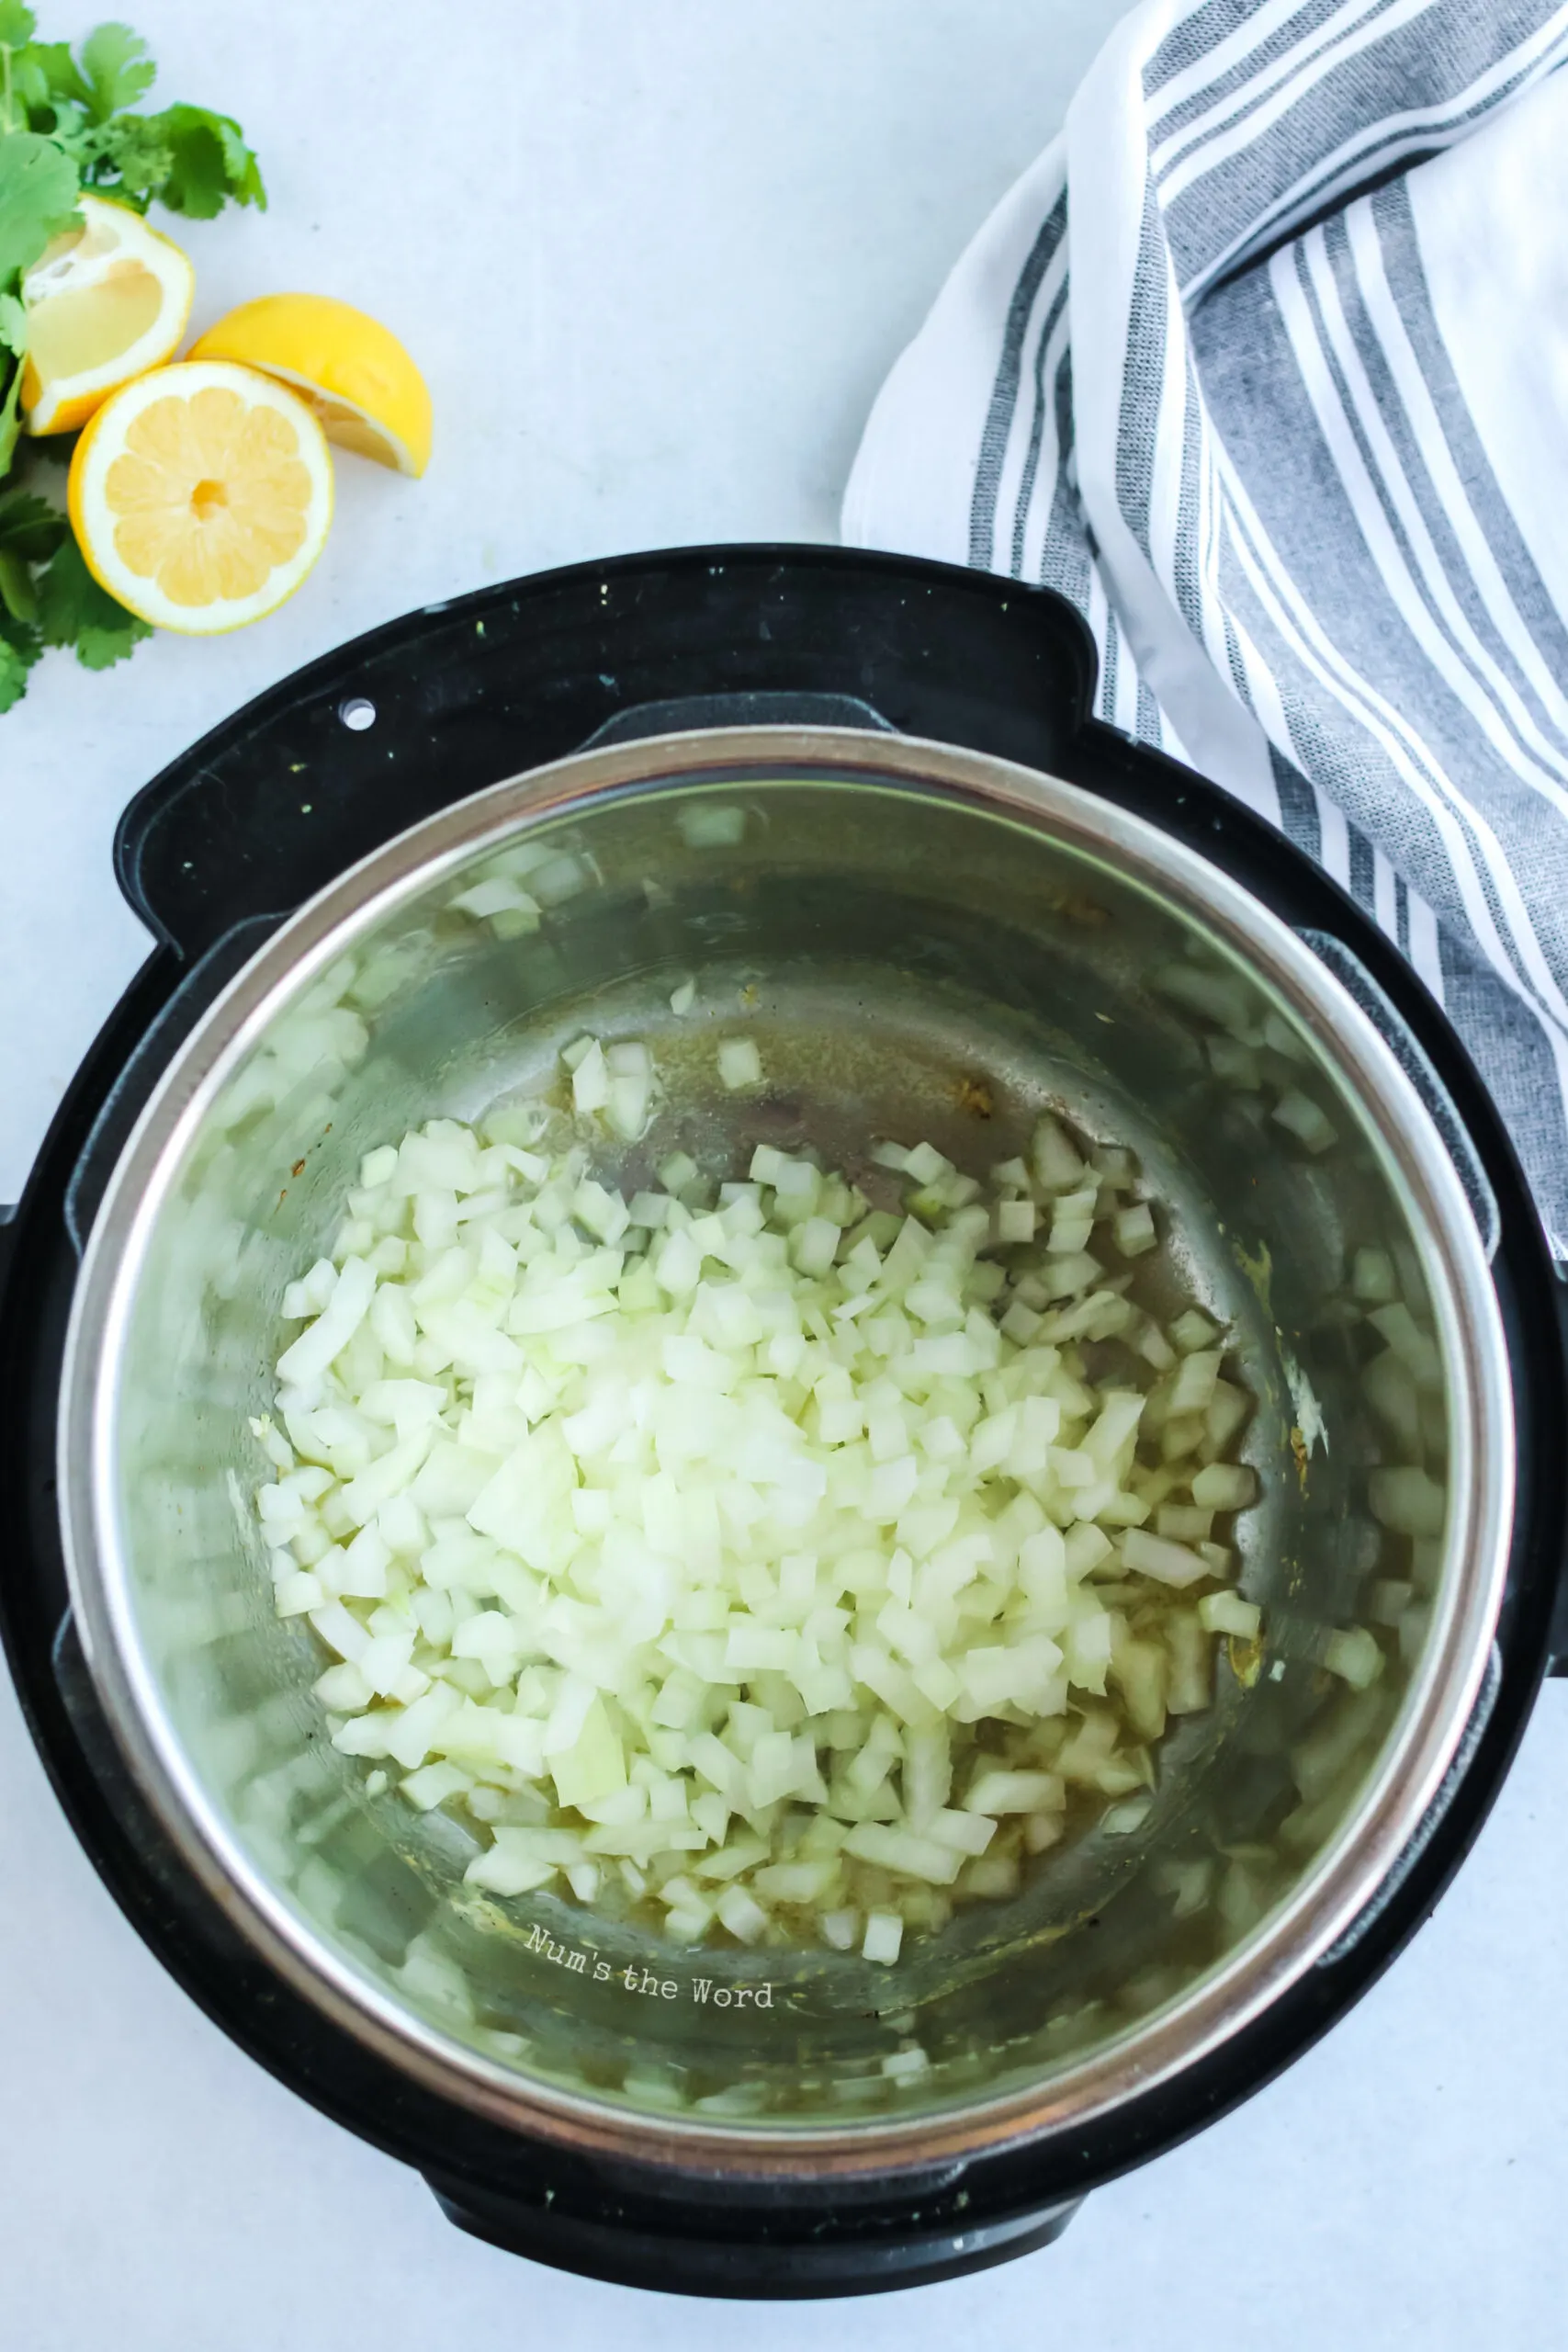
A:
<point x="655" y="261"/>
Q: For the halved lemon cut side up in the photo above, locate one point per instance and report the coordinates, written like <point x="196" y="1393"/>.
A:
<point x="201" y="496"/>
<point x="103" y="303"/>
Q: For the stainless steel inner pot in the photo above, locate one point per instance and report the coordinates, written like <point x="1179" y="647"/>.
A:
<point x="924" y="943"/>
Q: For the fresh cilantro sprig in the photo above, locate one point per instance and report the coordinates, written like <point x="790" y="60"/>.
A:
<point x="186" y="158"/>
<point x="68" y="123"/>
<point x="48" y="597"/>
<point x="30" y="533"/>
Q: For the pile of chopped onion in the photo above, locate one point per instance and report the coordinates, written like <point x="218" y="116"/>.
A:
<point x="783" y="1565"/>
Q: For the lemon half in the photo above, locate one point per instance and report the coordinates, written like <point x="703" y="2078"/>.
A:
<point x="103" y="303"/>
<point x="200" y="495"/>
<point x="364" y="389"/>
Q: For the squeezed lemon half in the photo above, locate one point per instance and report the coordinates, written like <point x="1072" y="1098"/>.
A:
<point x="103" y="303"/>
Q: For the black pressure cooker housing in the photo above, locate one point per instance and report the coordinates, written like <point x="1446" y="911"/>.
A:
<point x="337" y="760"/>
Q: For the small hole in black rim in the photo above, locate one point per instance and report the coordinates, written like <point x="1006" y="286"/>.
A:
<point x="357" y="713"/>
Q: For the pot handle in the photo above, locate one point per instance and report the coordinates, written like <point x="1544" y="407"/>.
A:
<point x="682" y="2246"/>
<point x="684" y="712"/>
<point x="190" y="998"/>
<point x="1411" y="1055"/>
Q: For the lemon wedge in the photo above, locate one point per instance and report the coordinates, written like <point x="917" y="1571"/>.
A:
<point x="365" y="392"/>
<point x="200" y="495"/>
<point x="103" y="303"/>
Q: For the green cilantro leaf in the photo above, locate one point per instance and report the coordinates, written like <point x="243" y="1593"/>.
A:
<point x="73" y="610"/>
<point x="30" y="531"/>
<point x="17" y="591"/>
<point x="13" y="325"/>
<point x="209" y="162"/>
<point x="17" y="24"/>
<point x="116" y="70"/>
<point x="31" y="528"/>
<point x="35" y="70"/>
<point x="10" y="417"/>
<point x="38" y="198"/>
<point x="20" y="649"/>
<point x="14" y="668"/>
<point x="46" y="80"/>
<point x="131" y="155"/>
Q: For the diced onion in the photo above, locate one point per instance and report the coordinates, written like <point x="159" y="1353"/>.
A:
<point x="1223" y="1486"/>
<point x="748" y="1543"/>
<point x="1373" y="1279"/>
<point x="739" y="1063"/>
<point x="704" y="825"/>
<point x="1227" y="1612"/>
<point x="1306" y="1120"/>
<point x="884" y="1935"/>
<point x="1408" y="1502"/>
<point x="1134" y="1230"/>
<point x="1355" y="1655"/>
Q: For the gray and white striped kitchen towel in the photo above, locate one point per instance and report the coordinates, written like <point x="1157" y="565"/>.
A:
<point x="1264" y="365"/>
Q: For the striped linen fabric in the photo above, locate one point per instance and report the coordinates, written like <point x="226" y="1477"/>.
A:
<point x="1264" y="365"/>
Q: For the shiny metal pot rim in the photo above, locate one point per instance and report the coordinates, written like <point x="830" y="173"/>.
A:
<point x="1342" y="1880"/>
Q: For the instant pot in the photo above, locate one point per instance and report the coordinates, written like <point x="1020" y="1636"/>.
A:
<point x="862" y="799"/>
